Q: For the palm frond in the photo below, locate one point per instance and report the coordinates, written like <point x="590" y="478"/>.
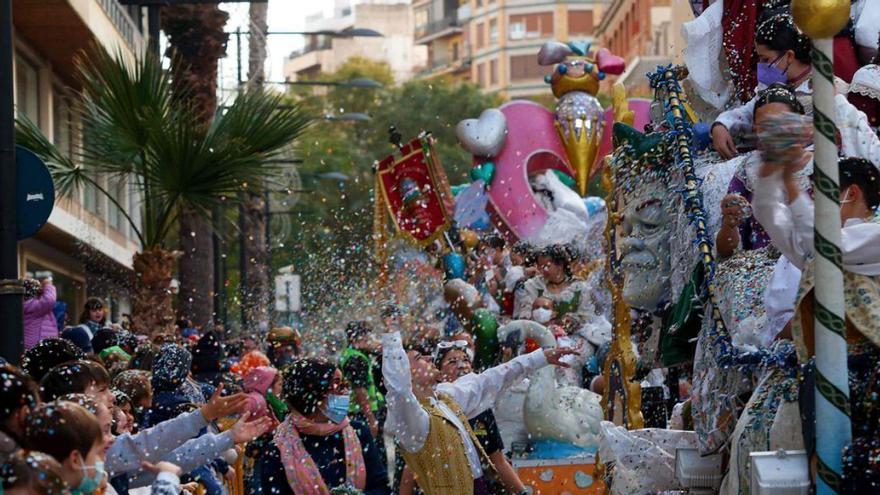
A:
<point x="122" y="104"/>
<point x="259" y="125"/>
<point x="66" y="174"/>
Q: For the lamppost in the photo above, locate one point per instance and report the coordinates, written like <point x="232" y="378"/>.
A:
<point x="12" y="337"/>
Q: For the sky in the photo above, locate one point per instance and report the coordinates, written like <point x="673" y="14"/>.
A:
<point x="284" y="15"/>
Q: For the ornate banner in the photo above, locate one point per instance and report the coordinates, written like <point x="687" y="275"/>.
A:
<point x="412" y="189"/>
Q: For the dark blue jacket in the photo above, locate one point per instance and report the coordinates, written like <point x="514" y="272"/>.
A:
<point x="329" y="455"/>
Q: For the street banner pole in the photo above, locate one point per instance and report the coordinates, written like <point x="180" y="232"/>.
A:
<point x="821" y="20"/>
<point x="11" y="332"/>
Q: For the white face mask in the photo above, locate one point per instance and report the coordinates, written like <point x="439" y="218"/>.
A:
<point x="542" y="315"/>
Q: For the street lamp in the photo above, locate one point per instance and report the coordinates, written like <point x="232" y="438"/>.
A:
<point x="358" y="82"/>
<point x="349" y="117"/>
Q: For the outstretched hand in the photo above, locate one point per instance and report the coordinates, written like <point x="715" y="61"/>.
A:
<point x="244" y="431"/>
<point x="555" y="355"/>
<point x="162" y="467"/>
<point x="219" y="407"/>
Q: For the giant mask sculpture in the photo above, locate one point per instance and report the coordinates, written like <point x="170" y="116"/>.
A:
<point x="644" y="247"/>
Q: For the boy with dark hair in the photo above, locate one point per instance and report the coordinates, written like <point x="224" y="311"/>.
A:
<point x="47" y="354"/>
<point x="18" y="397"/>
<point x="78" y="377"/>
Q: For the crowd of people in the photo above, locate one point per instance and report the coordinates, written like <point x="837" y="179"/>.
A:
<point x="94" y="408"/>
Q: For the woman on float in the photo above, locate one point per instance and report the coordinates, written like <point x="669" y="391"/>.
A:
<point x="738" y="227"/>
<point x="784" y="57"/>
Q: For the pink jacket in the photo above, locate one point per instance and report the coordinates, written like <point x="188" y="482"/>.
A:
<point x="256" y="384"/>
<point x="39" y="319"/>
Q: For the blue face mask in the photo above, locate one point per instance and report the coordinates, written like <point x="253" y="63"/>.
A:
<point x="769" y="73"/>
<point x="337" y="407"/>
<point x="90" y="484"/>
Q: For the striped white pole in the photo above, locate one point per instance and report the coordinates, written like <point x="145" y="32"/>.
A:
<point x="833" y="431"/>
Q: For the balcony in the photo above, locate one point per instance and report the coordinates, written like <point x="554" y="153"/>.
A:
<point x="61" y="29"/>
<point x="439" y="29"/>
<point x="324" y="44"/>
<point x="464" y="13"/>
<point x="447" y="65"/>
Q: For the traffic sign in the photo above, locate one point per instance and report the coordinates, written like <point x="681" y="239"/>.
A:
<point x="34" y="193"/>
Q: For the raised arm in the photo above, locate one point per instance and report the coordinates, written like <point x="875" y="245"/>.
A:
<point x="477" y="392"/>
<point x="407" y="420"/>
<point x="789" y="224"/>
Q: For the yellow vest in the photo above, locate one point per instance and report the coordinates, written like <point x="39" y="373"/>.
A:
<point x="441" y="467"/>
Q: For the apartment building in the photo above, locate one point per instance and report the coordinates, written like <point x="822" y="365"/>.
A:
<point x="641" y="32"/>
<point x="494" y="43"/>
<point x="440" y="26"/>
<point x="87" y="244"/>
<point x="392" y="18"/>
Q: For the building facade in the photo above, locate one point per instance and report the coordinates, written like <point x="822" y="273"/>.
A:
<point x="641" y="31"/>
<point x="87" y="244"/>
<point x="494" y="43"/>
<point x="392" y="18"/>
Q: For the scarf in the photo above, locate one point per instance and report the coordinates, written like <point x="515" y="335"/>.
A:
<point x="301" y="471"/>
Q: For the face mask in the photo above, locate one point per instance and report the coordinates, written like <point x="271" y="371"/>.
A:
<point x="542" y="315"/>
<point x="90" y="484"/>
<point x="337" y="407"/>
<point x="769" y="73"/>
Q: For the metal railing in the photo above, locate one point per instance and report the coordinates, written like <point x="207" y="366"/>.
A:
<point x="123" y="23"/>
<point x="450" y="21"/>
<point x="325" y="44"/>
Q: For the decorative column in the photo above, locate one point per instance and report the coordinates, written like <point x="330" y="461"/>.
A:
<point x="821" y="20"/>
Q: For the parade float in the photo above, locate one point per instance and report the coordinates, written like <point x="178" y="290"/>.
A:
<point x="530" y="177"/>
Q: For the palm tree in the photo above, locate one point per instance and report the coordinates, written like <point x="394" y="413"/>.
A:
<point x="196" y="42"/>
<point x="136" y="128"/>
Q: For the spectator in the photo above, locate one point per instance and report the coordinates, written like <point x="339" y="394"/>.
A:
<point x="39" y="317"/>
<point x="257" y="384"/>
<point x="32" y="473"/>
<point x="47" y="354"/>
<point x="316" y="449"/>
<point x="18" y="397"/>
<point x="358" y="367"/>
<point x="81" y="336"/>
<point x="94" y="317"/>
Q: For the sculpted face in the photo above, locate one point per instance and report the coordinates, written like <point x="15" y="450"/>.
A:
<point x="644" y="248"/>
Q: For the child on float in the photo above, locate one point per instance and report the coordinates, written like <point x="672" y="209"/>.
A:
<point x="784" y="58"/>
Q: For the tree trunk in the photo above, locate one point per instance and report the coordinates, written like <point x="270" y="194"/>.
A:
<point x="152" y="311"/>
<point x="196" y="269"/>
<point x="197" y="40"/>
<point x="257" y="293"/>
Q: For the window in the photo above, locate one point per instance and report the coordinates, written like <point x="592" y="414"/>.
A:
<point x="61" y="124"/>
<point x="530" y="26"/>
<point x="481" y="35"/>
<point x="481" y="75"/>
<point x="493" y="72"/>
<point x="134" y="208"/>
<point x="493" y="32"/>
<point x="420" y="18"/>
<point x="456" y="52"/>
<point x="114" y="215"/>
<point x="580" y="22"/>
<point x="523" y="67"/>
<point x="27" y="89"/>
<point x="92" y="199"/>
